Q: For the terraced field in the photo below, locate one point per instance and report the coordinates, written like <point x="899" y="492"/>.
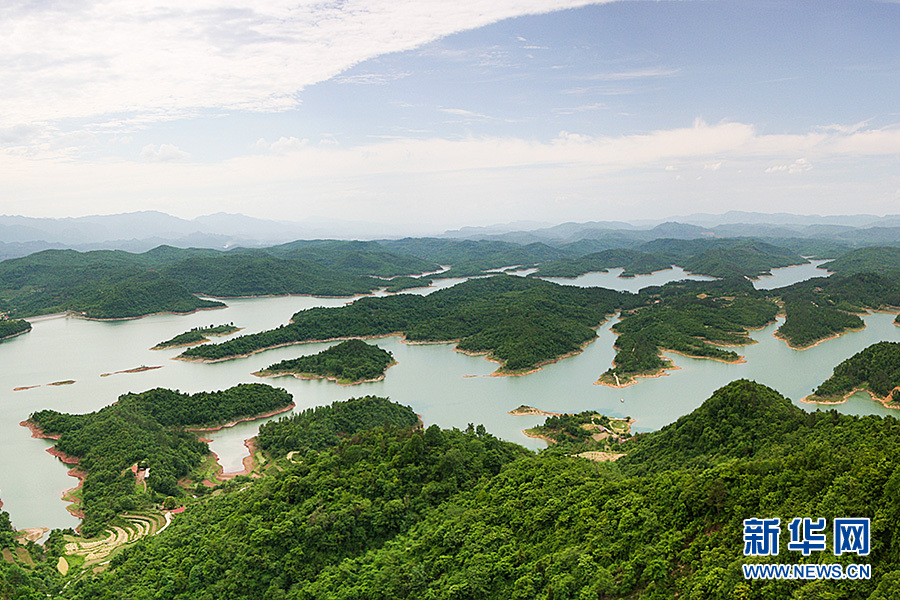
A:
<point x="95" y="552"/>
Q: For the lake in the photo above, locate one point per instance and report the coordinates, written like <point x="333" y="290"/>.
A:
<point x="443" y="386"/>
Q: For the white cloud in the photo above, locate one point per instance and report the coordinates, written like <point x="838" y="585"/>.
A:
<point x="801" y="165"/>
<point x="163" y="153"/>
<point x="105" y="60"/>
<point x="636" y="74"/>
<point x="713" y="166"/>
<point x="481" y="178"/>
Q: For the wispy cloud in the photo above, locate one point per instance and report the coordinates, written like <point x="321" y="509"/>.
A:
<point x="635" y="74"/>
<point x="163" y="59"/>
<point x="163" y="153"/>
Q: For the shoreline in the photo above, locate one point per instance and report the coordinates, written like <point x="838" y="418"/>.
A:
<point x="135" y="370"/>
<point x="203" y="341"/>
<point x="284" y="345"/>
<point x="14" y="335"/>
<point x="241" y="420"/>
<point x="311" y="377"/>
<point x="67" y="495"/>
<point x="76" y="315"/>
<point x="37" y="432"/>
<point x="826" y="400"/>
<point x="532" y="411"/>
<point x="781" y="337"/>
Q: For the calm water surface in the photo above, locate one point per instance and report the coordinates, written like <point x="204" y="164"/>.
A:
<point x="443" y="386"/>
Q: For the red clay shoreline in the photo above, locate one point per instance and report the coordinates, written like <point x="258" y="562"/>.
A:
<point x="68" y="495"/>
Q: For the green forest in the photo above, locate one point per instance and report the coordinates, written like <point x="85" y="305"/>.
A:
<point x="197" y="335"/>
<point x="399" y="512"/>
<point x="146" y="429"/>
<point x="693" y="318"/>
<point x="518" y="321"/>
<point x="13" y="327"/>
<point x="351" y="361"/>
<point x="876" y="369"/>
<point x="632" y="261"/>
<point x="323" y="427"/>
<point x="820" y="308"/>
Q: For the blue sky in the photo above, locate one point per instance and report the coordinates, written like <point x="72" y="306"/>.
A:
<point x="438" y="115"/>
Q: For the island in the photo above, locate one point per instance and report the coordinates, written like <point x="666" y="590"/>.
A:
<point x="875" y="369"/>
<point x="348" y="363"/>
<point x="633" y="262"/>
<point x="197" y="335"/>
<point x="519" y="322"/>
<point x="324" y="427"/>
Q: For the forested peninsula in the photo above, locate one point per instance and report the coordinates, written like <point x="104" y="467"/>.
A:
<point x="399" y="512"/>
<point x="692" y="318"/>
<point x="875" y="369"/>
<point x="12" y="327"/>
<point x="197" y="335"/>
<point x="522" y="323"/>
<point x="350" y="362"/>
<point x="147" y="429"/>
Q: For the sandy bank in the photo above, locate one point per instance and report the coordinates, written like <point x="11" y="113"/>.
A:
<point x="135" y="370"/>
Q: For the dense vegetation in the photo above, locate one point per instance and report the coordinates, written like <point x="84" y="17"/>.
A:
<point x="324" y="427"/>
<point x="582" y="432"/>
<point x="327" y="506"/>
<point x="197" y="335"/>
<point x="632" y="261"/>
<point x="397" y="513"/>
<point x="823" y="307"/>
<point x="876" y="369"/>
<point x="355" y="257"/>
<point x="148" y="429"/>
<point x="351" y="361"/>
<point x="749" y="259"/>
<point x="680" y="319"/>
<point x="520" y="322"/>
<point x="877" y="259"/>
<point x="118" y="284"/>
<point x="13" y="327"/>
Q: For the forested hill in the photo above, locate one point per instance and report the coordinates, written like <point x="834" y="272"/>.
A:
<point x="518" y="321"/>
<point x="351" y="361"/>
<point x="398" y="513"/>
<point x="824" y="307"/>
<point x="632" y="262"/>
<point x="118" y="284"/>
<point x="877" y="259"/>
<point x="875" y="369"/>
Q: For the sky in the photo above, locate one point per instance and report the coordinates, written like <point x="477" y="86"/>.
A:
<point x="440" y="115"/>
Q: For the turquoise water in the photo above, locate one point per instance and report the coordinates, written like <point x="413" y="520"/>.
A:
<point x="443" y="386"/>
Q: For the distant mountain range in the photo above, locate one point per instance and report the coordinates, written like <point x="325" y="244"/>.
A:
<point x="141" y="231"/>
<point x="850" y="230"/>
<point x="144" y="230"/>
